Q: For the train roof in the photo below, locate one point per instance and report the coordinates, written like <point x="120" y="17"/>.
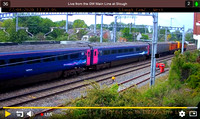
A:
<point x="117" y="44"/>
<point x="18" y="48"/>
<point x="70" y="45"/>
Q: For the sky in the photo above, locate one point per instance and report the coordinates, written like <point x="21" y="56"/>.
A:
<point x="164" y="19"/>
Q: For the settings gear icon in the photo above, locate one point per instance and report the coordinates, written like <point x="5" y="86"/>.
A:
<point x="181" y="113"/>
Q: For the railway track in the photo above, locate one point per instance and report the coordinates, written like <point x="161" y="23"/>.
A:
<point x="124" y="82"/>
<point x="127" y="81"/>
<point x="66" y="87"/>
<point x="58" y="89"/>
<point x="83" y="85"/>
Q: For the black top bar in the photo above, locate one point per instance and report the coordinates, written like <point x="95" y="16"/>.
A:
<point x="43" y="9"/>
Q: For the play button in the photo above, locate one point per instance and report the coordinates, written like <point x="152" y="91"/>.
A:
<point x="7" y="113"/>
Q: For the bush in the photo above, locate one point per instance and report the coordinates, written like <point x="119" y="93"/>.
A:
<point x="194" y="81"/>
<point x="94" y="39"/>
<point x="97" y="39"/>
<point x="185" y="68"/>
<point x="62" y="38"/>
<point x="177" y="91"/>
<point x="144" y="36"/>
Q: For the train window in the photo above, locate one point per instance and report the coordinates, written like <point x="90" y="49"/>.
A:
<point x="17" y="61"/>
<point x="106" y="52"/>
<point x="95" y="53"/>
<point x="113" y="51"/>
<point x="137" y="49"/>
<point x="74" y="56"/>
<point x="49" y="58"/>
<point x="131" y="50"/>
<point x="100" y="52"/>
<point x="125" y="50"/>
<point x="144" y="48"/>
<point x="2" y="62"/>
<point x="82" y="53"/>
<point x="34" y="60"/>
<point x="64" y="57"/>
<point x="120" y="51"/>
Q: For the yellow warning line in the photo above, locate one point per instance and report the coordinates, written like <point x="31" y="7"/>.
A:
<point x="94" y="107"/>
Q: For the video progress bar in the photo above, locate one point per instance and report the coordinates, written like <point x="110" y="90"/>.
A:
<point x="100" y="107"/>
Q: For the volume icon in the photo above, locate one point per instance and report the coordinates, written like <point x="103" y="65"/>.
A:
<point x="30" y="113"/>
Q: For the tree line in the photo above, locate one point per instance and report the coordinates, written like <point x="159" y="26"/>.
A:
<point x="39" y="26"/>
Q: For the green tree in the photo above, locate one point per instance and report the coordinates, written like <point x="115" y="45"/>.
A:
<point x="13" y="36"/>
<point x="37" y="24"/>
<point x="45" y="25"/>
<point x="56" y="33"/>
<point x="40" y="36"/>
<point x="94" y="39"/>
<point x="4" y="37"/>
<point x="145" y="36"/>
<point x="79" y="24"/>
<point x="162" y="31"/>
<point x="63" y="24"/>
<point x="176" y="36"/>
<point x="63" y="37"/>
<point x="118" y="24"/>
<point x="142" y="30"/>
<point x="80" y="33"/>
<point x="189" y="37"/>
<point x="125" y="34"/>
<point x="33" y="23"/>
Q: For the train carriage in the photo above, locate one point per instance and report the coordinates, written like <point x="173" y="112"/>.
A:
<point x="173" y="47"/>
<point x="116" y="54"/>
<point x="25" y="62"/>
<point x="162" y="47"/>
<point x="33" y="63"/>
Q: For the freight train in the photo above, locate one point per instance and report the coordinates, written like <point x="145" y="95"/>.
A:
<point x="22" y="64"/>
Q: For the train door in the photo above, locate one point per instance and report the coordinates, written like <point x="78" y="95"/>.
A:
<point x="88" y="54"/>
<point x="95" y="56"/>
<point x="148" y="49"/>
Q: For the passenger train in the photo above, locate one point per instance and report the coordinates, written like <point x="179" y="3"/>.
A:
<point x="22" y="64"/>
